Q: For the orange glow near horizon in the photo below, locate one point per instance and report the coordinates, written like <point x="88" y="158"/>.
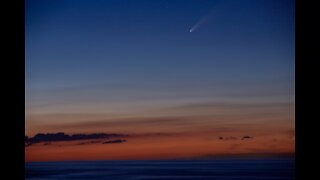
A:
<point x="161" y="147"/>
<point x="172" y="131"/>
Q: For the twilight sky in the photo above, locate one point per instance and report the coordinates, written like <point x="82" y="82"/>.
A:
<point x="133" y="67"/>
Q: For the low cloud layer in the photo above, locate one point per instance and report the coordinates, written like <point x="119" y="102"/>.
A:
<point x="246" y="137"/>
<point x="114" y="141"/>
<point x="235" y="138"/>
<point x="54" y="137"/>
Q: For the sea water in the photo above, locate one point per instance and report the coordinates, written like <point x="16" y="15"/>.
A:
<point x="224" y="169"/>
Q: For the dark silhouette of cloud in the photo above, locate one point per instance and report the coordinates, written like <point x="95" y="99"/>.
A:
<point x="60" y="136"/>
<point x="234" y="138"/>
<point x="246" y="137"/>
<point x="114" y="141"/>
<point x="227" y="138"/>
<point x="46" y="138"/>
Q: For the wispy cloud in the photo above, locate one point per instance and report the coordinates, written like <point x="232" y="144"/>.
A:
<point x="235" y="138"/>
<point x="246" y="137"/>
<point x="114" y="141"/>
<point x="93" y="138"/>
<point x="60" y="136"/>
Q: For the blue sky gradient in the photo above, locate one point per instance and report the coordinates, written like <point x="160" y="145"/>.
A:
<point x="93" y="52"/>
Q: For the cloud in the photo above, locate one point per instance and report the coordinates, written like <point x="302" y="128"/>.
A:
<point x="114" y="141"/>
<point x="246" y="137"/>
<point x="48" y="138"/>
<point x="60" y="136"/>
<point x="235" y="138"/>
<point x="227" y="138"/>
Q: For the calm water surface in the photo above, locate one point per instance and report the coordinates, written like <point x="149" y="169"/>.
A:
<point x="224" y="169"/>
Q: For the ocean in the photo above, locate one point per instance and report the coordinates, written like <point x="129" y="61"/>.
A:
<point x="224" y="169"/>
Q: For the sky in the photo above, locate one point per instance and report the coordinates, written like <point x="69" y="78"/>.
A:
<point x="181" y="79"/>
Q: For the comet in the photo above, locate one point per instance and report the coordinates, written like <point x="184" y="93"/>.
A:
<point x="205" y="18"/>
<point x="199" y="23"/>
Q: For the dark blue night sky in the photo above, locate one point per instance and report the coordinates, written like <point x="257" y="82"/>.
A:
<point x="145" y="42"/>
<point x="126" y="55"/>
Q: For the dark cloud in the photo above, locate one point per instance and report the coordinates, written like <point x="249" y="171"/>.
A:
<point x="246" y="137"/>
<point x="114" y="141"/>
<point x="227" y="138"/>
<point x="53" y="137"/>
<point x="235" y="138"/>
